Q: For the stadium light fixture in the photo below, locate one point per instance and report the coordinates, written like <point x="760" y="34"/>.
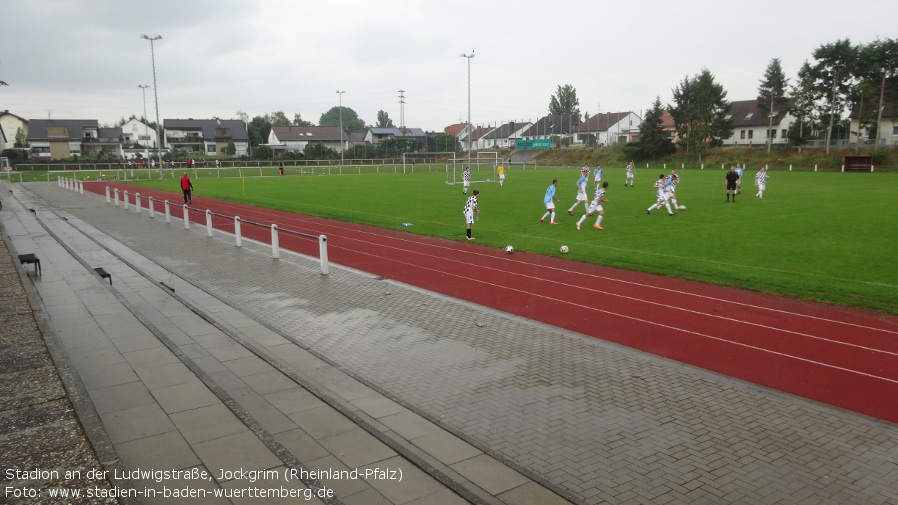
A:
<point x="143" y="87"/>
<point x="339" y="92"/>
<point x="471" y="134"/>
<point x="156" y="96"/>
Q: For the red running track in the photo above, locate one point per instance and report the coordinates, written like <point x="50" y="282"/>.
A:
<point x="840" y="356"/>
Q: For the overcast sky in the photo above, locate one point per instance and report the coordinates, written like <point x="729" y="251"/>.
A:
<point x="84" y="59"/>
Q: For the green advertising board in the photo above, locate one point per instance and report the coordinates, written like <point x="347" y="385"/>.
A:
<point x="533" y="144"/>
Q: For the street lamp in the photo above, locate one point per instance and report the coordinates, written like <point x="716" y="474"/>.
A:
<point x="471" y="134"/>
<point x="341" y="125"/>
<point x="156" y="95"/>
<point x="143" y="87"/>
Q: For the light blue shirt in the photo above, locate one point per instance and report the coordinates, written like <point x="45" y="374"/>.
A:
<point x="549" y="194"/>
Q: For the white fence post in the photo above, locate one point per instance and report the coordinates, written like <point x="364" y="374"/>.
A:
<point x="208" y="222"/>
<point x="186" y="217"/>
<point x="167" y="212"/>
<point x="108" y="197"/>
<point x="322" y="254"/>
<point x="81" y="187"/>
<point x="125" y="195"/>
<point x="152" y="206"/>
<point x="137" y="201"/>
<point x="237" y="238"/>
<point x="116" y="197"/>
<point x="275" y="248"/>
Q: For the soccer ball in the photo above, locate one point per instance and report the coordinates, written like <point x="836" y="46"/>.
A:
<point x="681" y="207"/>
<point x="509" y="249"/>
<point x="564" y="249"/>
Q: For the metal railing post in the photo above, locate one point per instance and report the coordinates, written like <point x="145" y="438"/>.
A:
<point x="125" y="198"/>
<point x="108" y="197"/>
<point x="275" y="249"/>
<point x="167" y="212"/>
<point x="237" y="238"/>
<point x="322" y="254"/>
<point x="208" y="222"/>
<point x="152" y="206"/>
<point x="186" y="217"/>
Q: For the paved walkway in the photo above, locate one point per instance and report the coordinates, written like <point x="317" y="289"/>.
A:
<point x="299" y="370"/>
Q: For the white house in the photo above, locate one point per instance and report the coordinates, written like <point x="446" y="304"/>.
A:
<point x="609" y="128"/>
<point x="296" y="138"/>
<point x="11" y="123"/>
<point x="504" y="136"/>
<point x="886" y="134"/>
<point x="205" y="136"/>
<point x="64" y="138"/>
<point x="750" y="124"/>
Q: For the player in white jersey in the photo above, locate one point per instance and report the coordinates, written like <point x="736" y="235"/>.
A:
<point x="671" y="190"/>
<point x="469" y="211"/>
<point x="630" y="175"/>
<point x="596" y="206"/>
<point x="740" y="171"/>
<point x="761" y="182"/>
<point x="661" y="196"/>
<point x="597" y="175"/>
<point x="581" y="191"/>
<point x="466" y="179"/>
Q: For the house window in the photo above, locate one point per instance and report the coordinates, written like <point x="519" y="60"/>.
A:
<point x="210" y="148"/>
<point x="772" y="133"/>
<point x="785" y="133"/>
<point x="749" y="115"/>
<point x="751" y="134"/>
<point x="894" y="130"/>
<point x="742" y="134"/>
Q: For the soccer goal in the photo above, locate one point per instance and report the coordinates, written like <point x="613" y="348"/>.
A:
<point x="418" y="161"/>
<point x="483" y="166"/>
<point x="4" y="165"/>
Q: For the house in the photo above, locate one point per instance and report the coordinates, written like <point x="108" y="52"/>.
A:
<point x="205" y="136"/>
<point x="375" y="135"/>
<point x="460" y="131"/>
<point x="473" y="138"/>
<point x="886" y="134"/>
<point x="10" y="124"/>
<point x="136" y="131"/>
<point x="504" y="136"/>
<point x="63" y="138"/>
<point x="609" y="128"/>
<point x="561" y="125"/>
<point x="750" y="124"/>
<point x="296" y="138"/>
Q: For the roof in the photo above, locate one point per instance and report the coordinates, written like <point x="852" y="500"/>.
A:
<point x="747" y="113"/>
<point x="8" y="113"/>
<point x="888" y="111"/>
<point x="506" y="130"/>
<point x="477" y="134"/>
<point x="601" y="122"/>
<point x="398" y="132"/>
<point x="233" y="129"/>
<point x="309" y="133"/>
<point x="456" y="129"/>
<point x="37" y="128"/>
<point x="562" y="124"/>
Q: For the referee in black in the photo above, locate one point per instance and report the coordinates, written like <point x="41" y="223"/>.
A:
<point x="732" y="177"/>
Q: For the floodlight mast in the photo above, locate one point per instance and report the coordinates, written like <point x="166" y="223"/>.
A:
<point x="156" y="96"/>
<point x="471" y="133"/>
<point x="339" y="92"/>
<point x="143" y="87"/>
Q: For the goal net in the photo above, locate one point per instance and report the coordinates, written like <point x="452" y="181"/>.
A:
<point x="426" y="161"/>
<point x="483" y="166"/>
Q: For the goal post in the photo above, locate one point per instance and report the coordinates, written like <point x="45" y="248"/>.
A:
<point x="444" y="158"/>
<point x="483" y="166"/>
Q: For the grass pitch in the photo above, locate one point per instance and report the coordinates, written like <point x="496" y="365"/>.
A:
<point x="818" y="235"/>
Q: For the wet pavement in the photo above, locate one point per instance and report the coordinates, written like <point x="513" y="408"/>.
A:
<point x="476" y="403"/>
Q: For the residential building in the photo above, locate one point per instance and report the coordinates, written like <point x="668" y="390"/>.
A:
<point x="885" y="134"/>
<point x="296" y="138"/>
<point x="472" y="140"/>
<point x="750" y="124"/>
<point x="559" y="125"/>
<point x="504" y="136"/>
<point x="63" y="138"/>
<point x="375" y="135"/>
<point x="609" y="128"/>
<point x="10" y="124"/>
<point x="205" y="136"/>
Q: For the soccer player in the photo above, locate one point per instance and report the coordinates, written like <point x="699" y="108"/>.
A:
<point x="470" y="210"/>
<point x="581" y="191"/>
<point x="731" y="177"/>
<point x="630" y="175"/>
<point x="501" y="171"/>
<point x="761" y="182"/>
<point x="597" y="175"/>
<point x="660" y="196"/>
<point x="186" y="188"/>
<point x="596" y="206"/>
<point x="739" y="171"/>
<point x="466" y="178"/>
<point x="549" y="202"/>
<point x="671" y="189"/>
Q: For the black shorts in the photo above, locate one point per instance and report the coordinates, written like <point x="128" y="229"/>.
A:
<point x="731" y="185"/>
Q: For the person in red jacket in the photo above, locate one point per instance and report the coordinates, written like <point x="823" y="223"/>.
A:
<point x="186" y="187"/>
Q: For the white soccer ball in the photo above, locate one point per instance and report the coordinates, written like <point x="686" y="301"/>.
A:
<point x="509" y="249"/>
<point x="564" y="249"/>
<point x="681" y="207"/>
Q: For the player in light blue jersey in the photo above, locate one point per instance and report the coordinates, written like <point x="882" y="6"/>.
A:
<point x="549" y="201"/>
<point x="581" y="191"/>
<point x="597" y="175"/>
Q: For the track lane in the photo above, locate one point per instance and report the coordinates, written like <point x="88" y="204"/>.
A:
<point x="836" y="355"/>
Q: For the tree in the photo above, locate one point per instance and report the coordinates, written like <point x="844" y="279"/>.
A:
<point x="351" y="120"/>
<point x="258" y="130"/>
<point x="20" y="138"/>
<point x="443" y="142"/>
<point x="833" y="78"/>
<point x="881" y="56"/>
<point x="383" y="120"/>
<point x="653" y="142"/>
<point x="772" y="94"/>
<point x="804" y="96"/>
<point x="299" y="121"/>
<point x="700" y="112"/>
<point x="277" y="118"/>
<point x="231" y="148"/>
<point x="565" y="101"/>
<point x="263" y="153"/>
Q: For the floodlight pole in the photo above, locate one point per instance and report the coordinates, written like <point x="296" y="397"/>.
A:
<point x="143" y="87"/>
<point x="339" y="92"/>
<point x="156" y="95"/>
<point x="471" y="134"/>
